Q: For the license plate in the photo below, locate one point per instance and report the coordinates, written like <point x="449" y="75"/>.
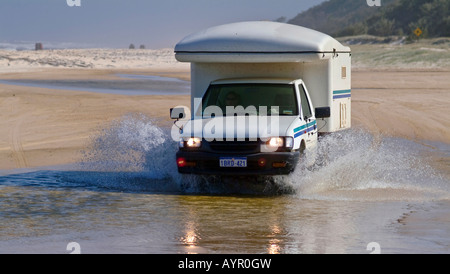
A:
<point x="233" y="162"/>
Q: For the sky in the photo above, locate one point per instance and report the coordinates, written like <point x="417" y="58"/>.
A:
<point x="118" y="23"/>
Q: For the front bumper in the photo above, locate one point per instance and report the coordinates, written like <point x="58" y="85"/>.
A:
<point x="208" y="163"/>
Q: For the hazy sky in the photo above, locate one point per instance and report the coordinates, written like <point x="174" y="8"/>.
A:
<point x="117" y="23"/>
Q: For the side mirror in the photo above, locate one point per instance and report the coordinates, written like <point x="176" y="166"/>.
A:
<point x="323" y="112"/>
<point x="177" y="113"/>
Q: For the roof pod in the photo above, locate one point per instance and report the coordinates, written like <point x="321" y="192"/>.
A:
<point x="257" y="41"/>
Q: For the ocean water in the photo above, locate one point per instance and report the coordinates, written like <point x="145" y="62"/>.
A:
<point x="28" y="45"/>
<point x="127" y="197"/>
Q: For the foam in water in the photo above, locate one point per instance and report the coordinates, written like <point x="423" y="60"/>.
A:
<point x="352" y="164"/>
<point x="132" y="143"/>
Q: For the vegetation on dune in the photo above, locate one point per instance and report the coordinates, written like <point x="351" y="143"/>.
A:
<point x="394" y="17"/>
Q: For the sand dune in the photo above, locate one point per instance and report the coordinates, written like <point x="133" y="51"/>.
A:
<point x="20" y="61"/>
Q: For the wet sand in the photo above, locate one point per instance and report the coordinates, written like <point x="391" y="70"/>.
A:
<point x="407" y="104"/>
<point x="42" y="127"/>
<point x="45" y="127"/>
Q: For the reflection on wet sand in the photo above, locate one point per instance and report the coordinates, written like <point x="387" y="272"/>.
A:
<point x="286" y="225"/>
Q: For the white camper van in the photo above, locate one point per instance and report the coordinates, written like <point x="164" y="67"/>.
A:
<point x="261" y="92"/>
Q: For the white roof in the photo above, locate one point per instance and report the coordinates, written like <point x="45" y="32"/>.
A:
<point x="268" y="41"/>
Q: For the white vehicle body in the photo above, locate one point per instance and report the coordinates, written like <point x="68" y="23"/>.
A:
<point x="252" y="56"/>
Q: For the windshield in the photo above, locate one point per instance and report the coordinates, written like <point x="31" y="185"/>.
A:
<point x="250" y="99"/>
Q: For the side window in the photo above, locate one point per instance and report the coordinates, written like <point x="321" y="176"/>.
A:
<point x="305" y="102"/>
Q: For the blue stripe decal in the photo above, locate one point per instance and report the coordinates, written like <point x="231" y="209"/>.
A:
<point x="342" y="91"/>
<point x="342" y="96"/>
<point x="299" y="128"/>
<point x="305" y="129"/>
<point x="339" y="94"/>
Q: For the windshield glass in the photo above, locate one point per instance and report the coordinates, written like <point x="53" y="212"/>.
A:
<point x="250" y="99"/>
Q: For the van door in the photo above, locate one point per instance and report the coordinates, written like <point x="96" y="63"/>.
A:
<point x="310" y="130"/>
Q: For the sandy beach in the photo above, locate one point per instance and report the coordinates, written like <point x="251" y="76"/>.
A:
<point x="45" y="127"/>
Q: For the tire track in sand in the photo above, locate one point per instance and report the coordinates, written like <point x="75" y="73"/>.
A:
<point x="14" y="124"/>
<point x="16" y="145"/>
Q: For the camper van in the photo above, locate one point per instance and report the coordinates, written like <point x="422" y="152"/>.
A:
<point x="261" y="93"/>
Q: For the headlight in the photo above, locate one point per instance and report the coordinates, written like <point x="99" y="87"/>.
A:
<point x="193" y="142"/>
<point x="275" y="142"/>
<point x="289" y="142"/>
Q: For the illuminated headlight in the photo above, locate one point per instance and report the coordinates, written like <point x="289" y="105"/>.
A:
<point x="275" y="142"/>
<point x="193" y="142"/>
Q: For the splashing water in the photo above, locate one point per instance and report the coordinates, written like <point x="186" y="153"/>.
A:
<point x="346" y="165"/>
<point x="354" y="164"/>
<point x="133" y="143"/>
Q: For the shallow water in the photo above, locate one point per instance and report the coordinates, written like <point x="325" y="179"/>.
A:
<point x="130" y="85"/>
<point x="126" y="197"/>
